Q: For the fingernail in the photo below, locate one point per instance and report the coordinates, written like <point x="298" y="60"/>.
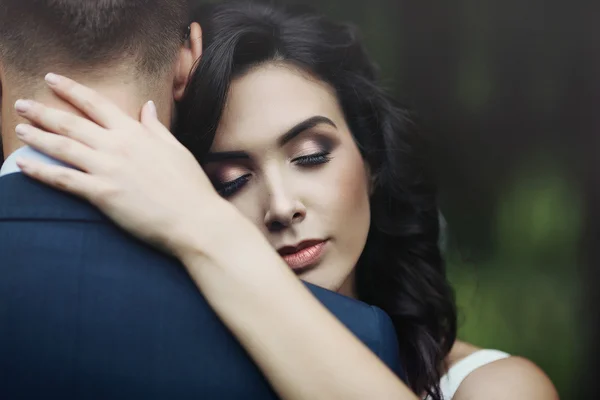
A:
<point x="22" y="106"/>
<point x="21" y="163"/>
<point x="21" y="130"/>
<point x="152" y="108"/>
<point x="52" y="79"/>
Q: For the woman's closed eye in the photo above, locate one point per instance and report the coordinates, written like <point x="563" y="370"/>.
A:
<point x="229" y="188"/>
<point x="313" y="159"/>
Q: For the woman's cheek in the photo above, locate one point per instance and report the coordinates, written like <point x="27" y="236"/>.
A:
<point x="342" y="202"/>
<point x="351" y="185"/>
<point x="248" y="202"/>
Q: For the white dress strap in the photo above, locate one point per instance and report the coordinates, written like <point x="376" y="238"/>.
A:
<point x="458" y="372"/>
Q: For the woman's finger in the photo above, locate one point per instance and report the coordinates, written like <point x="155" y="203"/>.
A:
<point x="89" y="102"/>
<point x="149" y="118"/>
<point x="61" y="148"/>
<point x="61" y="122"/>
<point x="62" y="178"/>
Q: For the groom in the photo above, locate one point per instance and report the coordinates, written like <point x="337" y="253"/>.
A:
<point x="86" y="311"/>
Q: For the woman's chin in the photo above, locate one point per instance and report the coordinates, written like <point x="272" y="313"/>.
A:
<point x="334" y="282"/>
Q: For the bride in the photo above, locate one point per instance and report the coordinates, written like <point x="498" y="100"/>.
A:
<point x="308" y="170"/>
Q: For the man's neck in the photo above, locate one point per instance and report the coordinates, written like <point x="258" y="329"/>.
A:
<point x="124" y="94"/>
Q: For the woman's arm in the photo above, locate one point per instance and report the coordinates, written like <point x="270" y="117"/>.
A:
<point x="305" y="352"/>
<point x="148" y="183"/>
<point x="301" y="348"/>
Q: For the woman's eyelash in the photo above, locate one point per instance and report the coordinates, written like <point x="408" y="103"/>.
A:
<point x="313" y="159"/>
<point x="227" y="189"/>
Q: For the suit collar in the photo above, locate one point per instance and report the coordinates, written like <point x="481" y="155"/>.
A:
<point x="23" y="198"/>
<point x="10" y="164"/>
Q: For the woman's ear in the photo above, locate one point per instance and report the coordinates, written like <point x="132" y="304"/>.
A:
<point x="372" y="184"/>
<point x="371" y="179"/>
<point x="189" y="54"/>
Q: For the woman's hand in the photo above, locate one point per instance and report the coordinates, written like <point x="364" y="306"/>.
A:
<point x="137" y="173"/>
<point x="142" y="178"/>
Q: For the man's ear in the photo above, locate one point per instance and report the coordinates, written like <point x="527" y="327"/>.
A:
<point x="1" y="86"/>
<point x="187" y="59"/>
<point x="1" y="91"/>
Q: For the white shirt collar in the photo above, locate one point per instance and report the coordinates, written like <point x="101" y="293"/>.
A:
<point x="10" y="164"/>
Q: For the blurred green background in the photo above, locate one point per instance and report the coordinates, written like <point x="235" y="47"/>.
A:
<point x="505" y="89"/>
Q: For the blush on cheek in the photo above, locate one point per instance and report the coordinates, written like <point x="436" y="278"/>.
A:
<point x="350" y="221"/>
<point x="353" y="187"/>
<point x="351" y="216"/>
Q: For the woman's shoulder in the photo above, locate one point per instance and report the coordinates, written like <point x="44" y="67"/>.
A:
<point x="476" y="373"/>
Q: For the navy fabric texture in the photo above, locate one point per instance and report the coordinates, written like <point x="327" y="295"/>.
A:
<point x="88" y="312"/>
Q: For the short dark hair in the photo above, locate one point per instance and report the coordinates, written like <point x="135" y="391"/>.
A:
<point x="401" y="269"/>
<point x="90" y="33"/>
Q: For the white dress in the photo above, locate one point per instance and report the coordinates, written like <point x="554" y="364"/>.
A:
<point x="458" y="372"/>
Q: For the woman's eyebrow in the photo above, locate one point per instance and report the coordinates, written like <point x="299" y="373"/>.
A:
<point x="225" y="156"/>
<point x="304" y="126"/>
<point x="284" y="139"/>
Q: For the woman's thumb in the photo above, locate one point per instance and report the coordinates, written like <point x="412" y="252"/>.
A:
<point x="149" y="118"/>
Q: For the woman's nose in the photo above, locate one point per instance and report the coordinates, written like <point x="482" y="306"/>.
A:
<point x="284" y="209"/>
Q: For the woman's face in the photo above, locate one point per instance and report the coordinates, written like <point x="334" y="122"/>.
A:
<point x="284" y="156"/>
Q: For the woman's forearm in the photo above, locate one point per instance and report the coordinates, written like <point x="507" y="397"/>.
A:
<point x="304" y="351"/>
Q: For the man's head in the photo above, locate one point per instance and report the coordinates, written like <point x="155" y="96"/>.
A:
<point x="133" y="49"/>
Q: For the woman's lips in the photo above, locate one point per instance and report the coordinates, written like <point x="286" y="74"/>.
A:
<point x="308" y="254"/>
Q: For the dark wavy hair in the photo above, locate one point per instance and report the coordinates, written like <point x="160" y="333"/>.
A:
<point x="401" y="269"/>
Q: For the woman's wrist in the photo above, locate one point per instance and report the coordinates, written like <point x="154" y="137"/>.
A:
<point x="216" y="234"/>
<point x="198" y="233"/>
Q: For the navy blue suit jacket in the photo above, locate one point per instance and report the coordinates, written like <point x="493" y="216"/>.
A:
<point x="88" y="312"/>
